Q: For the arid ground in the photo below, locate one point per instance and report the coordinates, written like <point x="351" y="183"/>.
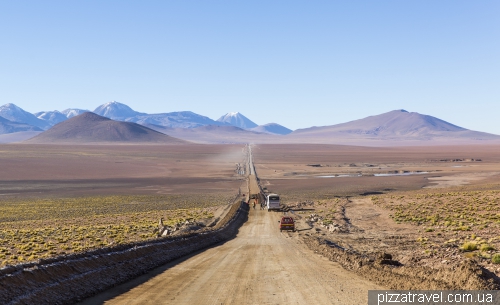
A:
<point x="83" y="170"/>
<point x="63" y="199"/>
<point x="421" y="208"/>
<point x="433" y="207"/>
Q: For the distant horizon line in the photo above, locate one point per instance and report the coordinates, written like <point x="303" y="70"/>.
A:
<point x="233" y="112"/>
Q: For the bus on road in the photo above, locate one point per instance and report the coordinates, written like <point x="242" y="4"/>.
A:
<point x="273" y="202"/>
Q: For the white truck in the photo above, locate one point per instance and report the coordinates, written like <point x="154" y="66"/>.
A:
<point x="273" y="202"/>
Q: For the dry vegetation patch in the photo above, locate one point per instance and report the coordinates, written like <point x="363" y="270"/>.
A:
<point x="450" y="226"/>
<point x="409" y="232"/>
<point x="39" y="228"/>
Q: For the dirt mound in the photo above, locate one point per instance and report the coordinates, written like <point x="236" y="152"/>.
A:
<point x="386" y="272"/>
<point x="92" y="128"/>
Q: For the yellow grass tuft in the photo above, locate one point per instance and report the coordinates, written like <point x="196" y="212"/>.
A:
<point x="469" y="246"/>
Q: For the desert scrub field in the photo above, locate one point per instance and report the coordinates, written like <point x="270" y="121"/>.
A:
<point x="38" y="228"/>
<point x="468" y="220"/>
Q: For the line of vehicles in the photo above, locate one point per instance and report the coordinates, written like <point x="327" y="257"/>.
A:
<point x="273" y="204"/>
<point x="272" y="201"/>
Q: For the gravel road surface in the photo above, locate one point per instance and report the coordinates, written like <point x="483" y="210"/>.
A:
<point x="260" y="266"/>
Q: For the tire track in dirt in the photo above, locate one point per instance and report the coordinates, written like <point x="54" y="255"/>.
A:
<point x="260" y="266"/>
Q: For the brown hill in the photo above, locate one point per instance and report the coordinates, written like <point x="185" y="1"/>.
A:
<point x="398" y="127"/>
<point x="92" y="128"/>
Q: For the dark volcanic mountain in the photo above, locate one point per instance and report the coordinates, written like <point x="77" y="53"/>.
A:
<point x="397" y="125"/>
<point x="92" y="128"/>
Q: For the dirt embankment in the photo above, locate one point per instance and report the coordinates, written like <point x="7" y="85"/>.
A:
<point x="361" y="237"/>
<point x="68" y="279"/>
<point x="387" y="272"/>
<point x="364" y="239"/>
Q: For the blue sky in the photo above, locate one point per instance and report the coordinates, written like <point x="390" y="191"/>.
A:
<point x="297" y="63"/>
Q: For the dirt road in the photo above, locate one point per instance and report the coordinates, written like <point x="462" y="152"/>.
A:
<point x="260" y="266"/>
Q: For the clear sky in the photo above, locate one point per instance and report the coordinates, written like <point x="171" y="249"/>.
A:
<point x="296" y="63"/>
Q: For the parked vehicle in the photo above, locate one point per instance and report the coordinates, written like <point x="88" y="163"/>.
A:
<point x="287" y="223"/>
<point x="273" y="202"/>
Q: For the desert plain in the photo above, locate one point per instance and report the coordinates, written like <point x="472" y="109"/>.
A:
<point x="425" y="206"/>
<point x="404" y="209"/>
<point x="63" y="199"/>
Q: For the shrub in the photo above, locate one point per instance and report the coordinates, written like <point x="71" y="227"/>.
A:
<point x="471" y="254"/>
<point x="484" y="255"/>
<point x="495" y="258"/>
<point x="486" y="247"/>
<point x="469" y="246"/>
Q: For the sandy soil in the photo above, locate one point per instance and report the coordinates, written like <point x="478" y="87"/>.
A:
<point x="260" y="266"/>
<point x="65" y="170"/>
<point x="292" y="161"/>
<point x="362" y="227"/>
<point x="288" y="169"/>
<point x="54" y="170"/>
<point x="460" y="179"/>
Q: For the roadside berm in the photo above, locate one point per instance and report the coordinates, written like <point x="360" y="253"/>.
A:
<point x="385" y="271"/>
<point x="71" y="278"/>
<point x="363" y="239"/>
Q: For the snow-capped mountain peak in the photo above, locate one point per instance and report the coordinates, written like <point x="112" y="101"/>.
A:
<point x="237" y="119"/>
<point x="14" y="113"/>
<point x="71" y="112"/>
<point x="51" y="117"/>
<point x="11" y="106"/>
<point x="115" y="111"/>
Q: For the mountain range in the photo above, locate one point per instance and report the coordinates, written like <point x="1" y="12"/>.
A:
<point x="15" y="114"/>
<point x="7" y="126"/>
<point x="398" y="127"/>
<point x="239" y="120"/>
<point x="121" y="112"/>
<point x="93" y="128"/>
